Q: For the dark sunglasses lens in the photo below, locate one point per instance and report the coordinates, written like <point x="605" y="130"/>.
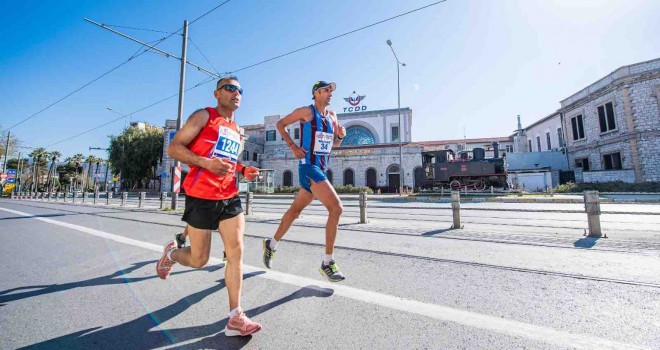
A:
<point x="232" y="88"/>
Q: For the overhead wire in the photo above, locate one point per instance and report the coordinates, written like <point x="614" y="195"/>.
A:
<point x="209" y="79"/>
<point x="112" y="69"/>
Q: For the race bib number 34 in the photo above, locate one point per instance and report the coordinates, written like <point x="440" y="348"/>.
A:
<point x="323" y="143"/>
<point x="228" y="145"/>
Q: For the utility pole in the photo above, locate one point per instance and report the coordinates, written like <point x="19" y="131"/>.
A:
<point x="176" y="170"/>
<point x="4" y="165"/>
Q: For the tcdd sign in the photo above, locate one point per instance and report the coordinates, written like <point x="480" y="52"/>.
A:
<point x="354" y="100"/>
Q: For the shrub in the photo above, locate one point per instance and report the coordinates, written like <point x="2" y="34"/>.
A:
<point x="618" y="186"/>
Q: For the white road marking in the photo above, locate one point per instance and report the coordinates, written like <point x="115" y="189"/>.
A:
<point x="438" y="312"/>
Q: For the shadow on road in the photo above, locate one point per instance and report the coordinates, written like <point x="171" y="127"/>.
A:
<point x="586" y="242"/>
<point x="144" y="332"/>
<point x="435" y="232"/>
<point x="19" y="293"/>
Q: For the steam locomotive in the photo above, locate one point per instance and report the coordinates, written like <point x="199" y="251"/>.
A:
<point x="468" y="169"/>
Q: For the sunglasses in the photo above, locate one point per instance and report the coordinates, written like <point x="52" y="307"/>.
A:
<point x="231" y="88"/>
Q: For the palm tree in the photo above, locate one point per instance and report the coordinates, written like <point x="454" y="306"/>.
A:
<point x="54" y="157"/>
<point x="77" y="159"/>
<point x="37" y="154"/>
<point x="96" y="171"/>
<point x="90" y="160"/>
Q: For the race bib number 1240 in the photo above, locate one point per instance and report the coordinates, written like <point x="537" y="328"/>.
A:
<point x="228" y="145"/>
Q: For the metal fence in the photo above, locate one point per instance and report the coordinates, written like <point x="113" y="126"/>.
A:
<point x="162" y="200"/>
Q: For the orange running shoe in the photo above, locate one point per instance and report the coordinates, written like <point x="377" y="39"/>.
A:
<point x="241" y="325"/>
<point x="164" y="265"/>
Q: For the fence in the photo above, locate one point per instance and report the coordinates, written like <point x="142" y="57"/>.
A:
<point x="141" y="200"/>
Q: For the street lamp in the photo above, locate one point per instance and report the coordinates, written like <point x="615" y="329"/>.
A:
<point x="128" y="117"/>
<point x="398" y="93"/>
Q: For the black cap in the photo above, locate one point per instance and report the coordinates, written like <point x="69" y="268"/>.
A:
<point x="321" y="84"/>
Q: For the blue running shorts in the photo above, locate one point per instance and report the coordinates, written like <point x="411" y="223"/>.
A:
<point x="308" y="172"/>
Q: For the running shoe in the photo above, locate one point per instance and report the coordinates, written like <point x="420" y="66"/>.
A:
<point x="269" y="253"/>
<point x="164" y="265"/>
<point x="180" y="241"/>
<point x="331" y="272"/>
<point x="241" y="325"/>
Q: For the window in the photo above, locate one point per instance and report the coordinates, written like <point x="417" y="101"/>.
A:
<point x="270" y="135"/>
<point x="538" y="143"/>
<point x="349" y="178"/>
<point x="296" y="133"/>
<point x="509" y="148"/>
<point x="606" y="117"/>
<point x="582" y="163"/>
<point x="529" y="145"/>
<point x="358" y="135"/>
<point x="547" y="140"/>
<point x="246" y="155"/>
<point x="287" y="178"/>
<point x="328" y="174"/>
<point x="255" y="156"/>
<point x="395" y="133"/>
<point x="560" y="137"/>
<point x="612" y="161"/>
<point x="578" y="127"/>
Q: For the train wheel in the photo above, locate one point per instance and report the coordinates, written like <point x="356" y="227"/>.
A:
<point x="479" y="185"/>
<point x="455" y="185"/>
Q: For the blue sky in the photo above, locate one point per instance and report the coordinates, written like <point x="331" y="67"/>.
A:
<point x="470" y="64"/>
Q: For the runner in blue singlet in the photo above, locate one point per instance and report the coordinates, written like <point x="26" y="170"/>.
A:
<point x="320" y="132"/>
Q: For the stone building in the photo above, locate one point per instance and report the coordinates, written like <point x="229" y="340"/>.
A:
<point x="613" y="126"/>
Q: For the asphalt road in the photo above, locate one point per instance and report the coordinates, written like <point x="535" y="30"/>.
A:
<point x="516" y="276"/>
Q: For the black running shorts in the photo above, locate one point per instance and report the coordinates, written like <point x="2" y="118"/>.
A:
<point x="206" y="214"/>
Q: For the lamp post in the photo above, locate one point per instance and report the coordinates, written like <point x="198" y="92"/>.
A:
<point x="398" y="93"/>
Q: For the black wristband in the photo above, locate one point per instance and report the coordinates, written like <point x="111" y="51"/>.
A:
<point x="339" y="138"/>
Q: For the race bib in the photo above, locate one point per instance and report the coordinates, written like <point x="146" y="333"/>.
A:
<point x="323" y="143"/>
<point x="228" y="145"/>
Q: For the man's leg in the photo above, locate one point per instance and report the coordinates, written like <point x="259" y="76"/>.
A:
<point x="302" y="200"/>
<point x="231" y="231"/>
<point x="197" y="255"/>
<point x="325" y="193"/>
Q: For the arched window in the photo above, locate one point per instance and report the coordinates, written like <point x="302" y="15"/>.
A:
<point x="328" y="174"/>
<point x="358" y="135"/>
<point x="349" y="178"/>
<point x="372" y="180"/>
<point x="288" y="178"/>
<point x="246" y="155"/>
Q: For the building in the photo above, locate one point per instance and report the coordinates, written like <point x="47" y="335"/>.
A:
<point x="368" y="156"/>
<point x="613" y="126"/>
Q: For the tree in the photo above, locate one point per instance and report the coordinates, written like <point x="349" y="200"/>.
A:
<point x="54" y="157"/>
<point x="90" y="160"/>
<point x="76" y="161"/>
<point x="40" y="157"/>
<point x="134" y="154"/>
<point x="14" y="143"/>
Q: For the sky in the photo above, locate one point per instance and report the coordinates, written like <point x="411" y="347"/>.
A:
<point x="471" y="67"/>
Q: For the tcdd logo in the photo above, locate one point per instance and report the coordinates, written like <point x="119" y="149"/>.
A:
<point x="354" y="100"/>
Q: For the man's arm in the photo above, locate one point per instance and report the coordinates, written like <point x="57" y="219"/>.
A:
<point x="340" y="131"/>
<point x="178" y="148"/>
<point x="303" y="114"/>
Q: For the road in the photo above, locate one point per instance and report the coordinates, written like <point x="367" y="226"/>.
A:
<point x="517" y="276"/>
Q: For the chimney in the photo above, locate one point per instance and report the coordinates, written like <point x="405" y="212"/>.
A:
<point x="519" y="126"/>
<point x="496" y="149"/>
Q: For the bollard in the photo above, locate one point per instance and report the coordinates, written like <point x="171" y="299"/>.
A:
<point x="175" y="199"/>
<point x="48" y="196"/>
<point x="12" y="196"/>
<point x="456" y="208"/>
<point x="442" y="191"/>
<point x="248" y="203"/>
<point x="74" y="194"/>
<point x="84" y="196"/>
<point x="141" y="198"/>
<point x="491" y="189"/>
<point x="57" y="196"/>
<point x="96" y="196"/>
<point x="163" y="198"/>
<point x="592" y="207"/>
<point x="363" y="207"/>
<point x="66" y="194"/>
<point x="108" y="197"/>
<point x="124" y="197"/>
